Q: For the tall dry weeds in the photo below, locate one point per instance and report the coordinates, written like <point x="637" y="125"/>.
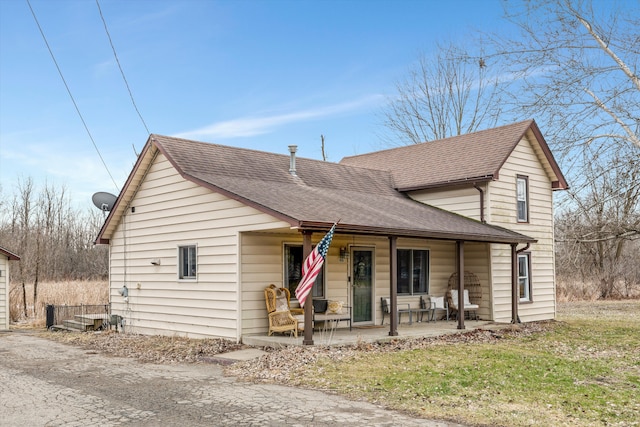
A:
<point x="73" y="292"/>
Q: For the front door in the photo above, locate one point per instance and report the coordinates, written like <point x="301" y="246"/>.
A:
<point x="362" y="273"/>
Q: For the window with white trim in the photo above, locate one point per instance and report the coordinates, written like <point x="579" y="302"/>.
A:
<point x="293" y="272"/>
<point x="524" y="276"/>
<point x="187" y="262"/>
<point x="413" y="271"/>
<point x="522" y="196"/>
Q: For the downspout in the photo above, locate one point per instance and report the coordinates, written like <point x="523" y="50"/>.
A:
<point x="482" y="219"/>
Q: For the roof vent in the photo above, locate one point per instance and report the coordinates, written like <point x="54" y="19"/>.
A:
<point x="292" y="163"/>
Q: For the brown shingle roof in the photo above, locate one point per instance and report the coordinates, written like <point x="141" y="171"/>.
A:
<point x="474" y="157"/>
<point x="320" y="193"/>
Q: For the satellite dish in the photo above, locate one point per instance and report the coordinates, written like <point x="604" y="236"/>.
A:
<point x="103" y="201"/>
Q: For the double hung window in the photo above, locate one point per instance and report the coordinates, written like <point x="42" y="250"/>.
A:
<point x="522" y="196"/>
<point x="524" y="276"/>
<point x="187" y="262"/>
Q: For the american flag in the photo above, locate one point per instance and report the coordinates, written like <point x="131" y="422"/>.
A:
<point x="312" y="266"/>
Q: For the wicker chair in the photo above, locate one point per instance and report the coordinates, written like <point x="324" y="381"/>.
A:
<point x="472" y="289"/>
<point x="282" y="318"/>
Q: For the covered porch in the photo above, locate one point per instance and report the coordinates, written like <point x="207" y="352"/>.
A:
<point x="373" y="333"/>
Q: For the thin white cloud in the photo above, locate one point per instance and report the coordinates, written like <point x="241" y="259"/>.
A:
<point x="259" y="125"/>
<point x="80" y="171"/>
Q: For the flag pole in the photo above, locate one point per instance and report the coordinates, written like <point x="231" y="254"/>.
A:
<point x="308" y="308"/>
<point x="313" y="262"/>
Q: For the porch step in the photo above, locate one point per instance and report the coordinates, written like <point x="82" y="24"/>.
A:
<point x="78" y="325"/>
<point x="93" y="321"/>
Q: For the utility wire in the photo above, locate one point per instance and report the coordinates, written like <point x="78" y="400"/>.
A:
<point x="120" y="67"/>
<point x="71" y="96"/>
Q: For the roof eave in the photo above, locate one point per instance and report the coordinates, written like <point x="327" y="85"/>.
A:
<point x="10" y="255"/>
<point x="412" y="233"/>
<point x="279" y="215"/>
<point x="116" y="210"/>
<point x="452" y="183"/>
<point x="561" y="182"/>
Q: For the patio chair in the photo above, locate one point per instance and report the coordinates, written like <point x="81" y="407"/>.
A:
<point x="452" y="299"/>
<point x="436" y="303"/>
<point x="386" y="309"/>
<point x="472" y="289"/>
<point x="282" y="318"/>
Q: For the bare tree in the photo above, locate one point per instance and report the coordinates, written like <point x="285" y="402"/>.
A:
<point x="575" y="68"/>
<point x="22" y="206"/>
<point x="445" y="95"/>
<point x="598" y="234"/>
<point x="55" y="241"/>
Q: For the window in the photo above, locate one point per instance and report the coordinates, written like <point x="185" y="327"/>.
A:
<point x="413" y="271"/>
<point x="293" y="271"/>
<point x="522" y="190"/>
<point x="187" y="262"/>
<point x="524" y="276"/>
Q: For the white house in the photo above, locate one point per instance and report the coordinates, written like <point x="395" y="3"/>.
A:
<point x="199" y="230"/>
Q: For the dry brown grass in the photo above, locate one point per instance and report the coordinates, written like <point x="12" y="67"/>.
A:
<point x="147" y="348"/>
<point x="58" y="293"/>
<point x="569" y="290"/>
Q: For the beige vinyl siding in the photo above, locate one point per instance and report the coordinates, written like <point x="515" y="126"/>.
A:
<point x="171" y="212"/>
<point x="501" y="198"/>
<point x="4" y="292"/>
<point x="461" y="200"/>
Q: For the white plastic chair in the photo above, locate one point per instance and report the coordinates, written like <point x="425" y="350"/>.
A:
<point x="439" y="303"/>
<point x="453" y="304"/>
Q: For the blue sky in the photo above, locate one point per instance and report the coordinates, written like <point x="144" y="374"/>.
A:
<point x="253" y="74"/>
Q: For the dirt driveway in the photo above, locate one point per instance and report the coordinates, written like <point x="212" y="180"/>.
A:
<point x="44" y="383"/>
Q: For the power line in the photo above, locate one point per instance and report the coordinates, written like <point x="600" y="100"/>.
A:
<point x="120" y="67"/>
<point x="71" y="96"/>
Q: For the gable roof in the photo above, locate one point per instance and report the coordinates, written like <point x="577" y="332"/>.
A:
<point x="474" y="157"/>
<point x="319" y="194"/>
<point x="10" y="255"/>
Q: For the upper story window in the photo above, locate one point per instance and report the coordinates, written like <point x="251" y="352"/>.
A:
<point x="293" y="271"/>
<point x="187" y="262"/>
<point x="524" y="276"/>
<point x="522" y="196"/>
<point x="413" y="271"/>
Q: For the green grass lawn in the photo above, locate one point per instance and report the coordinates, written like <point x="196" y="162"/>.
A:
<point x="582" y="371"/>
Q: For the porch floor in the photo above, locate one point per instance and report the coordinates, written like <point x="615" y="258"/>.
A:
<point x="372" y="333"/>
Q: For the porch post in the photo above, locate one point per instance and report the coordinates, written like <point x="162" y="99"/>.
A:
<point x="460" y="271"/>
<point x="393" y="286"/>
<point x="308" y="306"/>
<point x="514" y="284"/>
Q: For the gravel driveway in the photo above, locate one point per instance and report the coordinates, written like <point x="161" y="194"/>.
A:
<point x="45" y="383"/>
